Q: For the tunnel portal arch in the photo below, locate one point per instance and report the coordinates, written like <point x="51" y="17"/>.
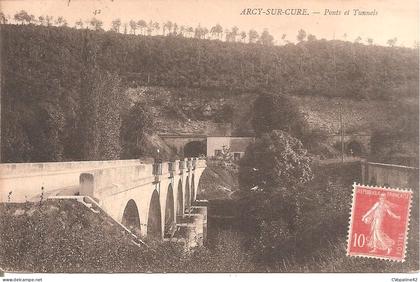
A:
<point x="354" y="148"/>
<point x="154" y="220"/>
<point x="131" y="218"/>
<point x="195" y="149"/>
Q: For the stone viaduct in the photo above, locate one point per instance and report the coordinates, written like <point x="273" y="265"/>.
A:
<point x="149" y="199"/>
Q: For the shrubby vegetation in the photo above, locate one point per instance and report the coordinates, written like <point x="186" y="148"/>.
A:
<point x="63" y="236"/>
<point x="272" y="176"/>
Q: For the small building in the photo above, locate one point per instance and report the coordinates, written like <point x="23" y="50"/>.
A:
<point x="237" y="145"/>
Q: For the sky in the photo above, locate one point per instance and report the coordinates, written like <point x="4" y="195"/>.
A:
<point x="392" y="19"/>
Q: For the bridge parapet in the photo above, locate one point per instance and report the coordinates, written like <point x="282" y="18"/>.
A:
<point x="21" y="182"/>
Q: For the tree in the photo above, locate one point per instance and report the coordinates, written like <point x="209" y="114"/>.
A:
<point x="167" y="26"/>
<point x="271" y="112"/>
<point x="41" y="20"/>
<point x="100" y="105"/>
<point x="96" y="24"/>
<point x="48" y="20"/>
<point x="301" y="35"/>
<point x="217" y="31"/>
<point x="79" y="24"/>
<point x="243" y="36"/>
<point x="60" y="21"/>
<point x="391" y="42"/>
<point x="133" y="27"/>
<point x="198" y="32"/>
<point x="225" y="157"/>
<point x="272" y="174"/>
<point x="3" y="19"/>
<point x="266" y="38"/>
<point x="22" y="17"/>
<point x="116" y="24"/>
<point x="370" y="41"/>
<point x="190" y="31"/>
<point x="311" y="37"/>
<point x="182" y="30"/>
<point x="156" y="27"/>
<point x="358" y="39"/>
<point x="234" y="33"/>
<point x="252" y="36"/>
<point x="175" y="29"/>
<point x="228" y="35"/>
<point x="204" y="32"/>
<point x="142" y="25"/>
<point x="150" y="27"/>
<point x="137" y="122"/>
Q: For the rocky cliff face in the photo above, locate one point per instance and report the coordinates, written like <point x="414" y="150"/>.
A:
<point x="205" y="112"/>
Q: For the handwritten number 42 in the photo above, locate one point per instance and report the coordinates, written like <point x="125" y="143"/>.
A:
<point x="97" y="12"/>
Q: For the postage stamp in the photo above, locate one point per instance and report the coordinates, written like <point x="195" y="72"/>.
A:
<point x="379" y="222"/>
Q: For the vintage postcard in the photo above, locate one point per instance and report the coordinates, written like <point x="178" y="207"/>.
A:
<point x="197" y="136"/>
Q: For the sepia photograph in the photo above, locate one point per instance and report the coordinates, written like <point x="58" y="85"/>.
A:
<point x="197" y="136"/>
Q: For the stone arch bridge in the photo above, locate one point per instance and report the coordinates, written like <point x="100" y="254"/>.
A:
<point x="150" y="199"/>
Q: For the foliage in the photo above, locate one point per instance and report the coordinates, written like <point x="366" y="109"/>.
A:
<point x="64" y="236"/>
<point x="225" y="114"/>
<point x="398" y="144"/>
<point x="137" y="122"/>
<point x="276" y="112"/>
<point x="217" y="182"/>
<point x="225" y="158"/>
<point x="272" y="173"/>
<point x="276" y="161"/>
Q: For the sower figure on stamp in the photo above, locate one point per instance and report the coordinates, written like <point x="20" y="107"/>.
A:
<point x="378" y="239"/>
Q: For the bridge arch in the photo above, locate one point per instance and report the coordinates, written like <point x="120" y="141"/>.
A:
<point x="187" y="194"/>
<point x="154" y="220"/>
<point x="194" y="149"/>
<point x="131" y="218"/>
<point x="169" y="211"/>
<point x="180" y="200"/>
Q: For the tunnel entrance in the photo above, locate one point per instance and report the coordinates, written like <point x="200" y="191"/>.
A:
<point x="195" y="149"/>
<point x="187" y="195"/>
<point x="131" y="218"/>
<point x="154" y="221"/>
<point x="180" y="200"/>
<point x="354" y="149"/>
<point x="169" y="212"/>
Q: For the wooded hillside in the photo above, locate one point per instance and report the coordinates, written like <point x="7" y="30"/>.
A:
<point x="47" y="71"/>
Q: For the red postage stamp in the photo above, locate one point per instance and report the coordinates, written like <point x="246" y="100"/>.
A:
<point x="379" y="222"/>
